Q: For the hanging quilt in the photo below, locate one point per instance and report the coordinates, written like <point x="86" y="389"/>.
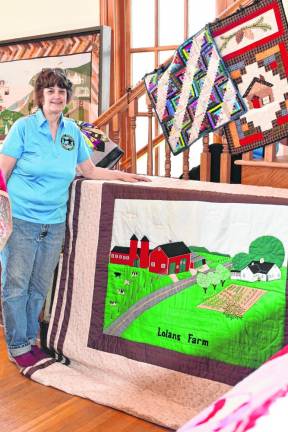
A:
<point x="194" y="95"/>
<point x="253" y="43"/>
<point x="104" y="153"/>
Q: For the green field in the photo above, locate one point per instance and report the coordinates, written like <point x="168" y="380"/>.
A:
<point x="176" y="323"/>
<point x="213" y="259"/>
<point x="139" y="286"/>
<point x="248" y="341"/>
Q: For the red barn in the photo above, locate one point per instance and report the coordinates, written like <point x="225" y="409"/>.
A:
<point x="120" y="255"/>
<point x="126" y="255"/>
<point x="132" y="255"/>
<point x="170" y="258"/>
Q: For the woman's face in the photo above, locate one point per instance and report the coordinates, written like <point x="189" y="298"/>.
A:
<point x="54" y="100"/>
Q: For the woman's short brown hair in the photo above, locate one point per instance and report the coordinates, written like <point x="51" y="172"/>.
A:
<point x="49" y="78"/>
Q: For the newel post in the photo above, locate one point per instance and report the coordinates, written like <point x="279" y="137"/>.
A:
<point x="150" y="137"/>
<point x="186" y="164"/>
<point x="132" y="111"/>
<point x="205" y="160"/>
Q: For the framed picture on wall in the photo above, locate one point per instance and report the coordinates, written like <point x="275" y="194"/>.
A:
<point x="84" y="54"/>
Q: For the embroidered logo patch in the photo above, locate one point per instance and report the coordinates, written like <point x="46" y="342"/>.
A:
<point x="67" y="142"/>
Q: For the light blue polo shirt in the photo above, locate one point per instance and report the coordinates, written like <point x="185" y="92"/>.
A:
<point x="38" y="186"/>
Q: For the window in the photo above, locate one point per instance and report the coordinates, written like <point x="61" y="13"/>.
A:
<point x="148" y="32"/>
<point x="167" y="24"/>
<point x="163" y="266"/>
<point x="158" y="27"/>
<point x="200" y="14"/>
<point x="153" y="264"/>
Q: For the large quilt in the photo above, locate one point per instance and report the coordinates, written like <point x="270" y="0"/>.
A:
<point x="170" y="293"/>
<point x="254" y="46"/>
<point x="194" y="94"/>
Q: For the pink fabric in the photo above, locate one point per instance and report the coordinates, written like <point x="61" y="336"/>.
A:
<point x="2" y="182"/>
<point x="240" y="408"/>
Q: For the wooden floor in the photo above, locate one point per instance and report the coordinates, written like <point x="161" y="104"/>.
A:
<point x="26" y="406"/>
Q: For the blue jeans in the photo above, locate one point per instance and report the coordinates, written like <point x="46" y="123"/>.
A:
<point x="28" y="263"/>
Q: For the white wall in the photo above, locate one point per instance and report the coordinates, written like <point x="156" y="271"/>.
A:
<point x="33" y="17"/>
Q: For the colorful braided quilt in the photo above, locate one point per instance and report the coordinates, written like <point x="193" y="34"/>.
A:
<point x="254" y="44"/>
<point x="194" y="95"/>
<point x="104" y="153"/>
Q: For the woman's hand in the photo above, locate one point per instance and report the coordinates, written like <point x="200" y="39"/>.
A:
<point x="130" y="178"/>
<point x="88" y="170"/>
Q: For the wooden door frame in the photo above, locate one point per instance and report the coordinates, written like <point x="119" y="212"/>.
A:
<point x="116" y="15"/>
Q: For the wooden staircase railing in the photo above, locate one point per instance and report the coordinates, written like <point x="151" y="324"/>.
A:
<point x="127" y="106"/>
<point x="124" y="113"/>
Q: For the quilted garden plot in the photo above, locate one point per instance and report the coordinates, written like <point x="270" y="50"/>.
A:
<point x="194" y="95"/>
<point x="254" y="44"/>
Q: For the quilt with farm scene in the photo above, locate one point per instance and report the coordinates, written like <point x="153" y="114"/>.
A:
<point x="253" y="43"/>
<point x="166" y="287"/>
<point x="196" y="281"/>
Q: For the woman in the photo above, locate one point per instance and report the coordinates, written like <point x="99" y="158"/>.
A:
<point x="39" y="159"/>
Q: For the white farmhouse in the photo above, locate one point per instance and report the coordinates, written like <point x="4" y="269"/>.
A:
<point x="257" y="271"/>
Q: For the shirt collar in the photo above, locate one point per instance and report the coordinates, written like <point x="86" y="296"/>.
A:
<point x="41" y="119"/>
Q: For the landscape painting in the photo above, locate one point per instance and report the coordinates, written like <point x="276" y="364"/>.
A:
<point x="78" y="54"/>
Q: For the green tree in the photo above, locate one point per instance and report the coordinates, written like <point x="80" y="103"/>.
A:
<point x="223" y="272"/>
<point x="268" y="248"/>
<point x="203" y="281"/>
<point x="241" y="260"/>
<point x="214" y="279"/>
